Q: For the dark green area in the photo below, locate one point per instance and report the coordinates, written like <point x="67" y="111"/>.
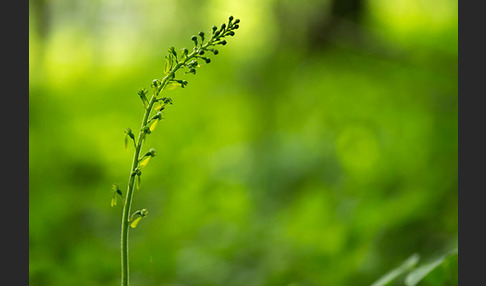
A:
<point x="290" y="159"/>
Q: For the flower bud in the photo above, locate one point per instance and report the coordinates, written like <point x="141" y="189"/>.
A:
<point x="155" y="83"/>
<point x="114" y="187"/>
<point x="172" y="51"/>
<point x="182" y="82"/>
<point x="194" y="39"/>
<point x="167" y="100"/>
<point x="129" y="132"/>
<point x="116" y="192"/>
<point x="136" y="172"/>
<point x="143" y="212"/>
<point x="201" y="34"/>
<point x="146" y="130"/>
<point x="151" y="152"/>
<point x="192" y="64"/>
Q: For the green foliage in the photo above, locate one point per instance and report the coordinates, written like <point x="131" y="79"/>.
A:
<point x="277" y="165"/>
<point x="442" y="270"/>
<point x="393" y="274"/>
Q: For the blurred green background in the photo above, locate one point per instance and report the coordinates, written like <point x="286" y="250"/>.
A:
<point x="318" y="148"/>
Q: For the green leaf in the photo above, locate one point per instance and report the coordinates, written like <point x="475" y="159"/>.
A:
<point x="444" y="274"/>
<point x="393" y="274"/>
<point x="419" y="273"/>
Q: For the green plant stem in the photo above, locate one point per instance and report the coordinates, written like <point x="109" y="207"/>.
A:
<point x="129" y="197"/>
<point x="135" y="161"/>
<point x="135" y="170"/>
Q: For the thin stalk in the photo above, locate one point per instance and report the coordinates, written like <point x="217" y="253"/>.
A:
<point x="128" y="201"/>
<point x="135" y="161"/>
<point x="197" y="51"/>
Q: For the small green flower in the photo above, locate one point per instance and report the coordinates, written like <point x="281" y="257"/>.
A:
<point x="116" y="192"/>
<point x="140" y="214"/>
